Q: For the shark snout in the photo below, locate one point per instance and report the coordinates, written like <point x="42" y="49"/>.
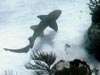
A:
<point x="54" y="15"/>
<point x="57" y="13"/>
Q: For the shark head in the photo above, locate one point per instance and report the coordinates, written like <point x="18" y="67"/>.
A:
<point x="54" y="15"/>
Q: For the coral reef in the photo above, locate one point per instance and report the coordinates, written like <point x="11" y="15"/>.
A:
<point x="94" y="30"/>
<point x="43" y="62"/>
<point x="75" y="67"/>
<point x="45" y="65"/>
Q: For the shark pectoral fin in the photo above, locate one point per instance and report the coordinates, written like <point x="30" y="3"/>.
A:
<point x="34" y="27"/>
<point x="42" y="17"/>
<point x="54" y="26"/>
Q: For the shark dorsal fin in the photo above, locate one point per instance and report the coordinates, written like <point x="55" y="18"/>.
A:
<point x="42" y="17"/>
<point x="54" y="26"/>
<point x="34" y="27"/>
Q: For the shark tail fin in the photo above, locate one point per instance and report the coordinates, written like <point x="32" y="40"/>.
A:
<point x="22" y="50"/>
<point x="54" y="26"/>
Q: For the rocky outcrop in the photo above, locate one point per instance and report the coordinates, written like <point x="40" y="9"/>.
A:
<point x="94" y="30"/>
<point x="75" y="67"/>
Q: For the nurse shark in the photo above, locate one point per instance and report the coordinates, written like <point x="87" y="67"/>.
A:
<point x="46" y="20"/>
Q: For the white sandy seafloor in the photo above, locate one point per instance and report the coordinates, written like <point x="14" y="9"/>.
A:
<point x="16" y="17"/>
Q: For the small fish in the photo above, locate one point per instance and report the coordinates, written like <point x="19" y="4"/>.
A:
<point x="46" y="20"/>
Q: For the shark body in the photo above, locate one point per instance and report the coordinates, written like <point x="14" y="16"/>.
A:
<point x="46" y="20"/>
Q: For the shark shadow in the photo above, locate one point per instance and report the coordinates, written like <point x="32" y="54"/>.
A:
<point x="48" y="39"/>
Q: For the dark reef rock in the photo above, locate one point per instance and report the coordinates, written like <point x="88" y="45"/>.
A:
<point x="94" y="30"/>
<point x="75" y="67"/>
<point x="94" y="33"/>
<point x="94" y="41"/>
<point x="96" y="15"/>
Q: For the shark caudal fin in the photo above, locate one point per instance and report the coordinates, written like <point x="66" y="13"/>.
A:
<point x="54" y="26"/>
<point x="22" y="50"/>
